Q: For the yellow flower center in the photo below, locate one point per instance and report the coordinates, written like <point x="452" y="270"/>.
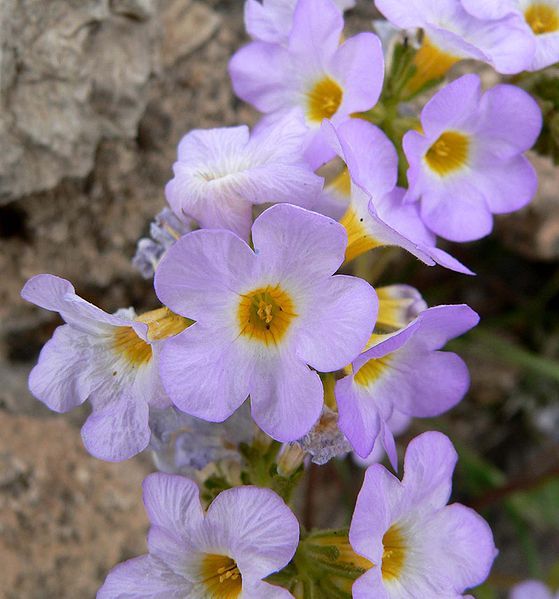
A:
<point x="266" y="314"/>
<point x="542" y="18"/>
<point x="431" y="63"/>
<point x="221" y="577"/>
<point x="323" y="100"/>
<point x="342" y="183"/>
<point x="372" y="370"/>
<point x="449" y="153"/>
<point x="359" y="240"/>
<point x="392" y="311"/>
<point x="394" y="554"/>
<point x="131" y="347"/>
<point x="162" y="323"/>
<point x="345" y="552"/>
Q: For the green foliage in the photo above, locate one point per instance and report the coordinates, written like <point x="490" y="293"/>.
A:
<point x="213" y="486"/>
<point x="261" y="469"/>
<point x="538" y="506"/>
<point x="545" y="89"/>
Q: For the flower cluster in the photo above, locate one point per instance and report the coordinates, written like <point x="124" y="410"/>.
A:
<point x="259" y="340"/>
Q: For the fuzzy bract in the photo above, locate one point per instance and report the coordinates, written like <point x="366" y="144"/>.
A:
<point x="183" y="444"/>
<point x="164" y="230"/>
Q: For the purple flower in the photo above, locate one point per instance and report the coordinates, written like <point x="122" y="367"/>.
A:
<point x="532" y="589"/>
<point x="376" y="213"/>
<point x="398" y="305"/>
<point x="261" y="317"/>
<point x="398" y="424"/>
<point x="404" y="371"/>
<point x="313" y="73"/>
<point x="221" y="173"/>
<point x="271" y="20"/>
<point x="541" y="22"/>
<point x="452" y="34"/>
<point x="109" y="359"/>
<point x="246" y="534"/>
<point x="468" y="164"/>
<point x="420" y="547"/>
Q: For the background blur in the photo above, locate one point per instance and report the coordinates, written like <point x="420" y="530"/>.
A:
<point x="94" y="97"/>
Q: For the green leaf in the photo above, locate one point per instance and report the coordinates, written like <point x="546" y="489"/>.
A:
<point x="538" y="506"/>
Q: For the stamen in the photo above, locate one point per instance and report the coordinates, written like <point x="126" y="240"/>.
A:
<point x="323" y="100"/>
<point x="221" y="577"/>
<point x="431" y="63"/>
<point x="449" y="153"/>
<point x="265" y="311"/>
<point x="542" y="18"/>
<point x="359" y="239"/>
<point x="372" y="370"/>
<point x="394" y="555"/>
<point x="266" y="314"/>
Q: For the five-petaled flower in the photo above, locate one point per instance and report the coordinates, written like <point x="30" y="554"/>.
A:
<point x="376" y="214"/>
<point x="468" y="162"/>
<point x="541" y="18"/>
<point x="407" y="372"/>
<point x="246" y="534"/>
<point x="221" y="173"/>
<point x="262" y="317"/>
<point x="313" y="73"/>
<point x="419" y="546"/>
<point x="110" y="359"/>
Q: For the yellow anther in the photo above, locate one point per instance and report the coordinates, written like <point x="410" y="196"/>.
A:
<point x="265" y="312"/>
<point x="449" y="153"/>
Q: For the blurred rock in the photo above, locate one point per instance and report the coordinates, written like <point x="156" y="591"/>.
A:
<point x="73" y="72"/>
<point x="187" y="26"/>
<point x="94" y="97"/>
<point x="65" y="518"/>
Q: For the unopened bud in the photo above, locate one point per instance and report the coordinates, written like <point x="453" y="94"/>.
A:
<point x="290" y="459"/>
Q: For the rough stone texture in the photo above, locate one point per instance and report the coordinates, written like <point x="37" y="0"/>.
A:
<point x="72" y="74"/>
<point x="65" y="518"/>
<point x="94" y="97"/>
<point x="146" y="73"/>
